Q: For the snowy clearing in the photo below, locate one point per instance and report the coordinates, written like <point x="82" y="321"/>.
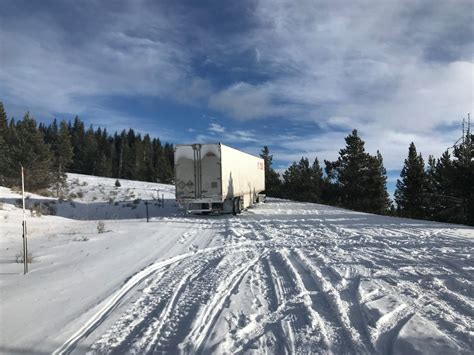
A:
<point x="283" y="277"/>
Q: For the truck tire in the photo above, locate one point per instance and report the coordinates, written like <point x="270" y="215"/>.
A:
<point x="239" y="209"/>
<point x="236" y="206"/>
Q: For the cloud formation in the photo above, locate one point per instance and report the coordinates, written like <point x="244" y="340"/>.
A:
<point x="396" y="70"/>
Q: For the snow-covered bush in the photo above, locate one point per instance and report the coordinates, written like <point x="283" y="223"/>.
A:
<point x="82" y="238"/>
<point x="100" y="227"/>
<point x="39" y="209"/>
<point x="19" y="258"/>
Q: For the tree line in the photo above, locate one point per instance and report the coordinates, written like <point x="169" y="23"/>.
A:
<point x="47" y="152"/>
<point x="356" y="180"/>
<point x="443" y="190"/>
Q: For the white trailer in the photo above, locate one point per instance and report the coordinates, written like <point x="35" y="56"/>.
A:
<point x="217" y="178"/>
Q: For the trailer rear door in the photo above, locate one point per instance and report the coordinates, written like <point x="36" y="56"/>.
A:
<point x="198" y="171"/>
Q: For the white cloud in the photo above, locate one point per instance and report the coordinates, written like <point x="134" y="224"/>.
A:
<point x="216" y="128"/>
<point x="221" y="134"/>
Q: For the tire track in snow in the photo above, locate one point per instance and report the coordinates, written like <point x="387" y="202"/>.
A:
<point x="182" y="308"/>
<point x="203" y="324"/>
<point x="154" y="308"/>
<point x="275" y="325"/>
<point x="388" y="327"/>
<point x="302" y="322"/>
<point x="267" y="326"/>
<point x="333" y="310"/>
<point x="114" y="299"/>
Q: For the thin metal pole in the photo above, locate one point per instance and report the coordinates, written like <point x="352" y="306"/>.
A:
<point x="25" y="240"/>
<point x="146" y="205"/>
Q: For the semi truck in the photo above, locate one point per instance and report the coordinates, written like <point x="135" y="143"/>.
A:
<point x="216" y="178"/>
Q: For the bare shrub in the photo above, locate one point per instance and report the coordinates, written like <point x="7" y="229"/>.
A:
<point x="80" y="194"/>
<point x="19" y="258"/>
<point x="16" y="189"/>
<point x="52" y="209"/>
<point x="38" y="209"/>
<point x="45" y="193"/>
<point x="82" y="238"/>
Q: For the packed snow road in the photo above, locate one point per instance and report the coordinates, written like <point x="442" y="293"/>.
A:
<point x="297" y="278"/>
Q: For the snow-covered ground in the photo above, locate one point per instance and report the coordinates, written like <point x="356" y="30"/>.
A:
<point x="283" y="277"/>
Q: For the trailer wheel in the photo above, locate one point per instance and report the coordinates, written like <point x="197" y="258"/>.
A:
<point x="239" y="209"/>
<point x="236" y="206"/>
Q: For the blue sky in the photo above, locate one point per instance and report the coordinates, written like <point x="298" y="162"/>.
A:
<point x="297" y="76"/>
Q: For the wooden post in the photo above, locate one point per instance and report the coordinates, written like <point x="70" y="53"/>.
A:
<point x="25" y="239"/>
<point x="146" y="205"/>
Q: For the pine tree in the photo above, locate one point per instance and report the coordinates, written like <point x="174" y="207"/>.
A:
<point x="302" y="182"/>
<point x="63" y="155"/>
<point x="431" y="199"/>
<point x="463" y="177"/>
<point x="376" y="196"/>
<point x="129" y="157"/>
<point x="352" y="162"/>
<point x="272" y="178"/>
<point x="352" y="169"/>
<point x="330" y="192"/>
<point x="103" y="166"/>
<point x="33" y="154"/>
<point x="50" y="134"/>
<point x="77" y="140"/>
<point x="446" y="205"/>
<point x="305" y="178"/>
<point x="316" y="181"/>
<point x="4" y="151"/>
<point x="291" y="181"/>
<point x="409" y="194"/>
<point x="90" y="152"/>
<point x="166" y="163"/>
<point x="157" y="158"/>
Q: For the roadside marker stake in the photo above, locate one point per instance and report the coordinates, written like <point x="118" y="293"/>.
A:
<point x="25" y="240"/>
